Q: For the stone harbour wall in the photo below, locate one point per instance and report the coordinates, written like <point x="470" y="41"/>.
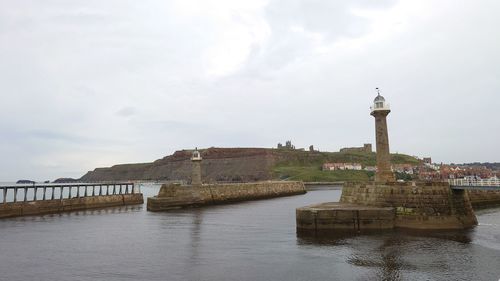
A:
<point x="343" y="217"/>
<point x="417" y="205"/>
<point x="177" y="196"/>
<point x="484" y="198"/>
<point x="16" y="209"/>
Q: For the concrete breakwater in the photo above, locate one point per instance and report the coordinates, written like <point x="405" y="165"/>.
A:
<point x="39" y="200"/>
<point x="370" y="206"/>
<point x="174" y="196"/>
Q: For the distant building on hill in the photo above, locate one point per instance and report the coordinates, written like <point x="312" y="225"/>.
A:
<point x="404" y="168"/>
<point x="342" y="166"/>
<point x="371" y="168"/>
<point x="288" y="145"/>
<point x="367" y="148"/>
<point x="427" y="160"/>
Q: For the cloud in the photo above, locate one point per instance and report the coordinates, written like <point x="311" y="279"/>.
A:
<point x="86" y="84"/>
<point x="126" y="111"/>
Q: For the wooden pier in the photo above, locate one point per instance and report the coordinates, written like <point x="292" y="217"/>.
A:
<point x="36" y="199"/>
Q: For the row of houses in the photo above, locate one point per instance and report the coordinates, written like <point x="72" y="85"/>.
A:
<point x="425" y="171"/>
<point x="402" y="168"/>
<point x="347" y="166"/>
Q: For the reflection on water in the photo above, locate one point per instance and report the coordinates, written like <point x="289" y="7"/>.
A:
<point x="384" y="252"/>
<point x="246" y="241"/>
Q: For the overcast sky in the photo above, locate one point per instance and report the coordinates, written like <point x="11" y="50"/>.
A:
<point x="86" y="84"/>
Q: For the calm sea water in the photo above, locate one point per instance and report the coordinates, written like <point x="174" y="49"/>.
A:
<point x="247" y="241"/>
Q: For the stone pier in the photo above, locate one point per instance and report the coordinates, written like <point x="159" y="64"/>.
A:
<point x="411" y="205"/>
<point x="174" y="196"/>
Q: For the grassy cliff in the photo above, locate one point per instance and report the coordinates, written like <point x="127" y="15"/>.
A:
<point x="245" y="164"/>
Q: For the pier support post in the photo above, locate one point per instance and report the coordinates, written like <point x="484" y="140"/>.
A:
<point x="44" y="191"/>
<point x="52" y="195"/>
<point x="61" y="195"/>
<point x="25" y="194"/>
<point x="4" y="195"/>
<point x="15" y="194"/>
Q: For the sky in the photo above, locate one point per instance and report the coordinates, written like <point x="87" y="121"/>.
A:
<point x="86" y="84"/>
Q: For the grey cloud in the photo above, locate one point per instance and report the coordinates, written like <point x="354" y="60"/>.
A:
<point x="71" y="71"/>
<point x="126" y="111"/>
<point x="331" y="19"/>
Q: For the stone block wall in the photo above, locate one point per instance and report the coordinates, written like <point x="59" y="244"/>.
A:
<point x="177" y="196"/>
<point x="417" y="205"/>
<point x="339" y="217"/>
<point x="484" y="198"/>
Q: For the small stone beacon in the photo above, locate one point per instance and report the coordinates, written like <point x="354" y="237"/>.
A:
<point x="196" y="173"/>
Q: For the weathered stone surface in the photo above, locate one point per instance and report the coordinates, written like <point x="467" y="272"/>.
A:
<point x="178" y="196"/>
<point x="196" y="173"/>
<point x="40" y="207"/>
<point x="384" y="172"/>
<point x="484" y="198"/>
<point x="429" y="206"/>
<point x="337" y="216"/>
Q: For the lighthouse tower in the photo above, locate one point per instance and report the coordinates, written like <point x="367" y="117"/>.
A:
<point x="196" y="173"/>
<point x="380" y="110"/>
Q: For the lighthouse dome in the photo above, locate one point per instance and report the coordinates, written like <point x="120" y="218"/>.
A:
<point x="379" y="103"/>
<point x="196" y="155"/>
<point x="379" y="98"/>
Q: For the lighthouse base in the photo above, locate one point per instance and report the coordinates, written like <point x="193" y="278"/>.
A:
<point x="374" y="206"/>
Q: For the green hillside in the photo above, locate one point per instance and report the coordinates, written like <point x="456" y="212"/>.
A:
<point x="306" y="166"/>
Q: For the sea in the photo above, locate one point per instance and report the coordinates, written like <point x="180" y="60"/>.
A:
<point x="253" y="240"/>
